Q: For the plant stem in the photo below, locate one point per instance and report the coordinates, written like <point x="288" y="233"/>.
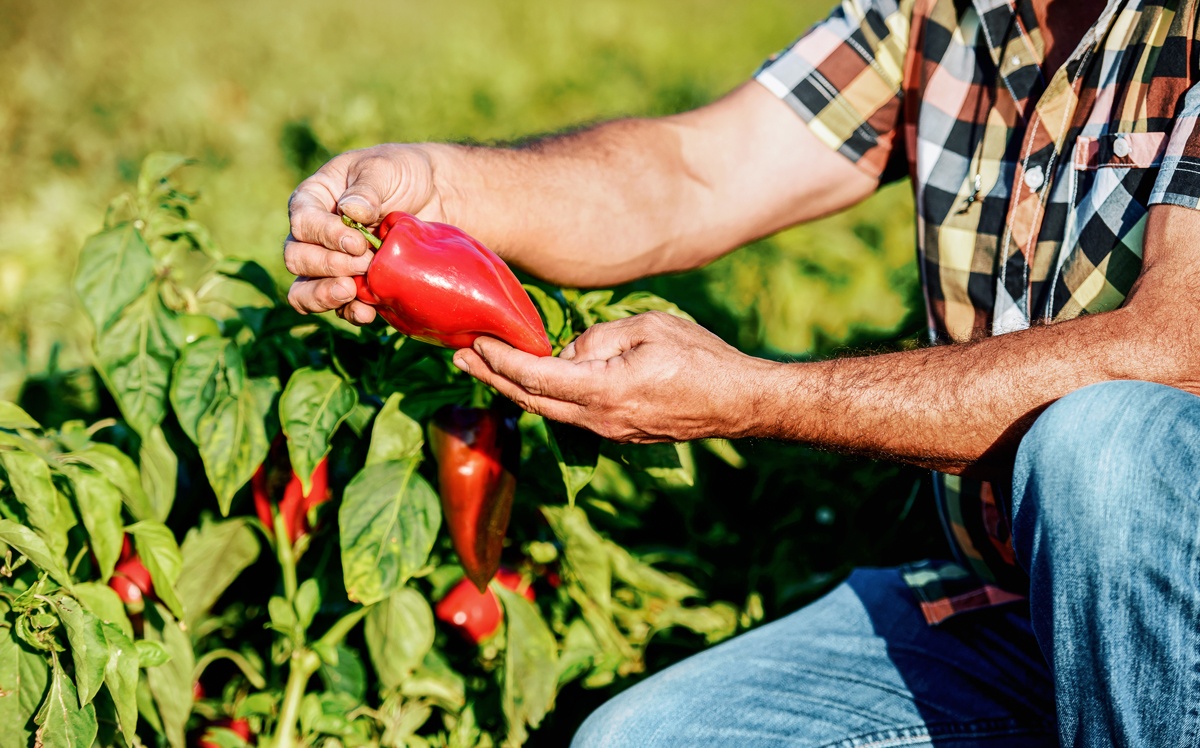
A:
<point x="301" y="667"/>
<point x="338" y="630"/>
<point x="287" y="561"/>
<point x="375" y="241"/>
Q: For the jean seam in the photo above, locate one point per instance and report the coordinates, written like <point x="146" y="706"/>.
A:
<point x="944" y="730"/>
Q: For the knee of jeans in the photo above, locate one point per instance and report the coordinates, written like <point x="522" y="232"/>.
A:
<point x="624" y="721"/>
<point x="1075" y="468"/>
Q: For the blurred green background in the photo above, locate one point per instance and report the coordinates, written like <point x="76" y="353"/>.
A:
<point x="261" y="93"/>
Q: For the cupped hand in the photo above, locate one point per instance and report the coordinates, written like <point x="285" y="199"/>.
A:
<point x="365" y="185"/>
<point x="648" y="378"/>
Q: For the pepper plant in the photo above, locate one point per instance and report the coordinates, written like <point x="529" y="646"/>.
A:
<point x="270" y="476"/>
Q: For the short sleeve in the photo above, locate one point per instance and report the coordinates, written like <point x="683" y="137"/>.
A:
<point x="1178" y="181"/>
<point x="845" y="78"/>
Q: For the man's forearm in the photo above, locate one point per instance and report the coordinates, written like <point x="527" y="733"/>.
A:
<point x="639" y="197"/>
<point x="963" y="408"/>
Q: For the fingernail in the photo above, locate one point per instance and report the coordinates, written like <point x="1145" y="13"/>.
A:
<point x="342" y="291"/>
<point x="350" y="245"/>
<point x="460" y="362"/>
<point x="354" y="201"/>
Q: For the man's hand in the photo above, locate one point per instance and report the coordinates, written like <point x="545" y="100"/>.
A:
<point x="649" y="378"/>
<point x="365" y="185"/>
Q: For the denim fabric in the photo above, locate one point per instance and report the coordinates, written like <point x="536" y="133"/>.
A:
<point x="1107" y="523"/>
<point x="1106" y="519"/>
<point x="858" y="668"/>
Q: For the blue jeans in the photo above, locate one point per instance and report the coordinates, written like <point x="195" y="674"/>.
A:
<point x="1106" y="520"/>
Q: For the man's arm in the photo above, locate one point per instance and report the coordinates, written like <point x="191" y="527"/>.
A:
<point x="958" y="408"/>
<point x="610" y="204"/>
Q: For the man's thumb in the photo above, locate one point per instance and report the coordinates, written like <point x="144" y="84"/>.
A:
<point x="360" y="202"/>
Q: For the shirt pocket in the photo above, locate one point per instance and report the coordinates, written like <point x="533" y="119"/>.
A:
<point x="1111" y="176"/>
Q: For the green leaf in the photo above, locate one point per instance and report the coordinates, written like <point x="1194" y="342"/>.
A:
<point x="577" y="452"/>
<point x="586" y="304"/>
<point x="389" y="519"/>
<point x="395" y="436"/>
<point x="671" y="465"/>
<point x="99" y="504"/>
<point x="160" y="468"/>
<point x="45" y="511"/>
<point x="104" y="603"/>
<point x="639" y="302"/>
<point x="233" y="438"/>
<point x="151" y="653"/>
<point x="121" y="679"/>
<point x="214" y="554"/>
<point x="13" y="417"/>
<point x="553" y="315"/>
<point x="89" y="648"/>
<point x="28" y="544"/>
<point x="312" y="406"/>
<point x="156" y="168"/>
<point x="170" y="683"/>
<point x="347" y="675"/>
<point x="585" y="554"/>
<point x="121" y="471"/>
<point x="61" y="722"/>
<point x="530" y="665"/>
<point x="22" y="687"/>
<point x="157" y="549"/>
<point x="115" y="266"/>
<point x="207" y="369"/>
<point x="308" y="602"/>
<point x="399" y="633"/>
<point x="135" y="357"/>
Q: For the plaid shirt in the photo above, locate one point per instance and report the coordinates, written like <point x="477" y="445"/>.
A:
<point x="1031" y="194"/>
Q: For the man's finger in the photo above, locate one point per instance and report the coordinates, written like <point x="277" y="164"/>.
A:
<point x="314" y="221"/>
<point x="357" y="312"/>
<point x="320" y="294"/>
<point x="318" y="262"/>
<point x="553" y="408"/>
<point x="606" y="340"/>
<point x="368" y="180"/>
<point x="540" y="375"/>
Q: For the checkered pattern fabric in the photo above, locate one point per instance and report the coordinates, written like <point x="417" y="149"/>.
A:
<point x="1031" y="191"/>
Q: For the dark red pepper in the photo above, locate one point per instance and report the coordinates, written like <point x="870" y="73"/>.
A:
<point x="476" y="449"/>
<point x="476" y="615"/>
<point x="433" y="282"/>
<point x="276" y="486"/>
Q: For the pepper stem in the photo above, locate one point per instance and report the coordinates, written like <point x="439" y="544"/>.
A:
<point x="375" y="241"/>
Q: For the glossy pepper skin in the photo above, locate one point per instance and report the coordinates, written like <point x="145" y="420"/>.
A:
<point x="475" y="449"/>
<point x="476" y="615"/>
<point x="433" y="282"/>
<point x="276" y="487"/>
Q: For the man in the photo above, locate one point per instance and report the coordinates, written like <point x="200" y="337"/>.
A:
<point x="1055" y="158"/>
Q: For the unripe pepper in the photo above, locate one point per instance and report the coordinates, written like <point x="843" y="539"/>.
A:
<point x="433" y="282"/>
<point x="475" y="449"/>
<point x="476" y="615"/>
<point x="276" y="486"/>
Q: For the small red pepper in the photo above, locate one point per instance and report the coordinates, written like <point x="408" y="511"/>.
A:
<point x="131" y="581"/>
<point x="476" y="615"/>
<point x="239" y="727"/>
<point x="474" y="449"/>
<point x="275" y="484"/>
<point x="433" y="282"/>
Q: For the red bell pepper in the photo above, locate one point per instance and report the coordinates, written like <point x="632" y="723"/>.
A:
<point x="276" y="486"/>
<point x="433" y="282"/>
<point x="239" y="726"/>
<point x="476" y="615"/>
<point x="475" y="449"/>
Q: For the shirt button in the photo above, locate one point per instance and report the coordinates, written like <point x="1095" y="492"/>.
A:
<point x="1035" y="178"/>
<point x="1121" y="147"/>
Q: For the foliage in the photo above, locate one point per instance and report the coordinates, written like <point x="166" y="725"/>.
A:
<point x="205" y="365"/>
<point x="262" y="93"/>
